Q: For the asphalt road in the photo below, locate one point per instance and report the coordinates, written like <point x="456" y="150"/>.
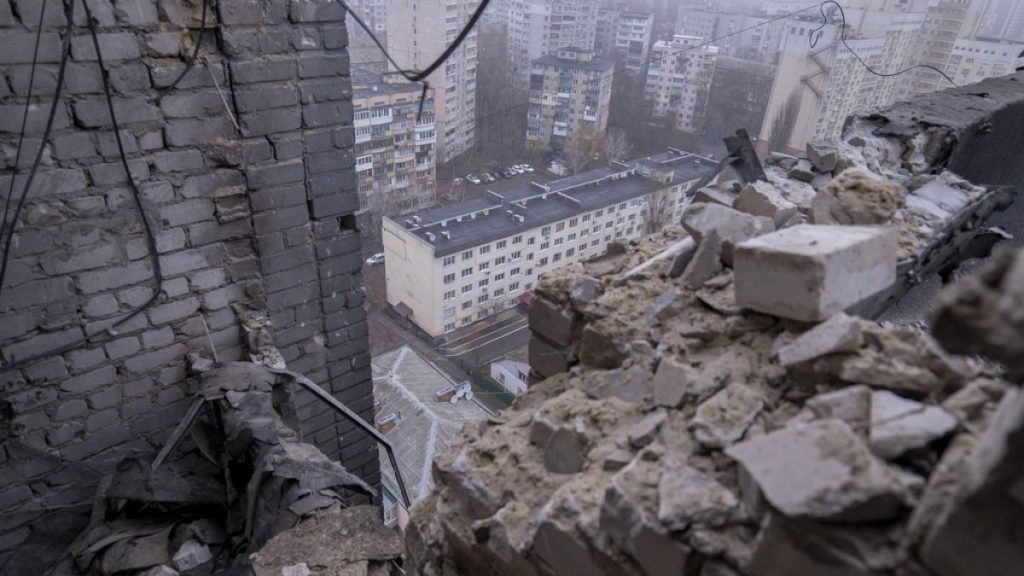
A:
<point x="480" y="347"/>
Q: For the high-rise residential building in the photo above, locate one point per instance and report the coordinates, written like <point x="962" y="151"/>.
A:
<point x="418" y="32"/>
<point x="679" y="80"/>
<point x="540" y="27"/>
<point x="1002" y="20"/>
<point x="570" y="93"/>
<point x="819" y="81"/>
<point x="942" y="27"/>
<point x="451" y="266"/>
<point x="974" y="60"/>
<point x="737" y="34"/>
<point x="394" y="154"/>
<point x="740" y="90"/>
<point x="630" y="44"/>
<point x="374" y="14"/>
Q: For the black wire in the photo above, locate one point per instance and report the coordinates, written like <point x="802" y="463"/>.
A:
<point x="136" y="194"/>
<point x="842" y="37"/>
<point x="191" y="59"/>
<point x="24" y="122"/>
<point x="69" y="9"/>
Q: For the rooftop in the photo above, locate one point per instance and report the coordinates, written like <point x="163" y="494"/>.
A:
<point x="367" y="83"/>
<point x="405" y="384"/>
<point x="450" y="229"/>
<point x="582" y="61"/>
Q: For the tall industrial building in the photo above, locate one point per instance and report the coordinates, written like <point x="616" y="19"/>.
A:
<point x="679" y="80"/>
<point x="415" y="39"/>
<point x="540" y="27"/>
<point x="570" y="93"/>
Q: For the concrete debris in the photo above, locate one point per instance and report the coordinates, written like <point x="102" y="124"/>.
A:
<point x="617" y="460"/>
<point x="764" y="199"/>
<point x="803" y="171"/>
<point x="688" y="496"/>
<point x="629" y="384"/>
<point x="731" y="225"/>
<point x="192" y="554"/>
<point x="706" y="262"/>
<point x="823" y="156"/>
<point x="716" y="193"/>
<point x="563" y="453"/>
<point x="647" y="429"/>
<point x="840" y="333"/>
<point x="851" y="405"/>
<point x="666" y="306"/>
<point x="160" y="570"/>
<point x="585" y="289"/>
<point x="724" y="418"/>
<point x="899" y="425"/>
<point x="820" y="470"/>
<point x="866" y="198"/>
<point x="809" y="272"/>
<point x="672" y="382"/>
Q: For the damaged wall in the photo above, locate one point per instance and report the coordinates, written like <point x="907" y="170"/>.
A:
<point x="262" y="220"/>
<point x="702" y="405"/>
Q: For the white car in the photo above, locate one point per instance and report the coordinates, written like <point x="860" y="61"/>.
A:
<point x="473" y="178"/>
<point x="375" y="259"/>
<point x="527" y="168"/>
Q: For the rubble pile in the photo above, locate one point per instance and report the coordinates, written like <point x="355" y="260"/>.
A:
<point x="724" y="411"/>
<point x="253" y="506"/>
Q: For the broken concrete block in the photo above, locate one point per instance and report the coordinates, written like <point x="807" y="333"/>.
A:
<point x="585" y="289"/>
<point x="562" y="551"/>
<point x="628" y="384"/>
<point x="665" y="306"/>
<point x="300" y="569"/>
<point x="899" y="425"/>
<point x="821" y="470"/>
<point x="672" y="382"/>
<point x="645" y="431"/>
<point x="788" y="547"/>
<point x="782" y="160"/>
<point x="564" y="452"/>
<point x="192" y="554"/>
<point x="551" y="322"/>
<point x="598" y="350"/>
<point x="981" y="530"/>
<point x="825" y="209"/>
<point x="706" y="262"/>
<point x="865" y="197"/>
<point x="840" y="333"/>
<point x="688" y="496"/>
<point x="541" y="430"/>
<point x="851" y="405"/>
<point x="716" y="193"/>
<point x="617" y="459"/>
<point x="809" y="272"/>
<point x="546" y="359"/>
<point x="823" y="156"/>
<point x="732" y="226"/>
<point x="803" y="171"/>
<point x="724" y="418"/>
<point x="160" y="570"/>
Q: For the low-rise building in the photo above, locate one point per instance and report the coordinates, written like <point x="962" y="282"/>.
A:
<point x="394" y="154"/>
<point x="570" y="93"/>
<point x="450" y="266"/>
<point x="512" y="371"/>
<point x="975" y="60"/>
<point x="679" y="81"/>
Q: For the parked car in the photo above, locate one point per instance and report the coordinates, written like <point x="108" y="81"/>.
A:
<point x="508" y="173"/>
<point x="487" y="178"/>
<point x="527" y="168"/>
<point x="473" y="178"/>
<point x="495" y="175"/>
<point x="518" y="169"/>
<point x="375" y="259"/>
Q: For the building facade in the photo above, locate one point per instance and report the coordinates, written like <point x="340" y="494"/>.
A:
<point x="625" y="36"/>
<point x="394" y="153"/>
<point x="975" y="60"/>
<point x="540" y="27"/>
<point x="737" y="34"/>
<point x="451" y="266"/>
<point x="679" y="80"/>
<point x="570" y="93"/>
<point x="415" y="39"/>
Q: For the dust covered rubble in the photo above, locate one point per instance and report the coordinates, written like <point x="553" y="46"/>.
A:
<point x="680" y="432"/>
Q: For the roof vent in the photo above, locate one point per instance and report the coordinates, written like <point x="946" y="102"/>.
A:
<point x="447" y="234"/>
<point x="431" y="237"/>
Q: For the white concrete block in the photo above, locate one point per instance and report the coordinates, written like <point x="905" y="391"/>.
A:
<point x="810" y="272"/>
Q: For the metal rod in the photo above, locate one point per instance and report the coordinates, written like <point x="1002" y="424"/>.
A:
<point x="179" y="432"/>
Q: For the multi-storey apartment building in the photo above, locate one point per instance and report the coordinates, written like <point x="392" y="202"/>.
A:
<point x="539" y="27"/>
<point x="1002" y="20"/>
<point x="974" y="60"/>
<point x="395" y="154"/>
<point x="418" y="32"/>
<point x="451" y="266"/>
<point x="942" y="27"/>
<point x="570" y="92"/>
<point x="679" y="80"/>
<point x="625" y="36"/>
<point x="737" y="34"/>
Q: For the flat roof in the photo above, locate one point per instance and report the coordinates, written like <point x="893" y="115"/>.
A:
<point x="595" y="64"/>
<point x="367" y="83"/>
<point x="451" y="229"/>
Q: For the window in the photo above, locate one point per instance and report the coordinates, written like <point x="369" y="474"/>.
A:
<point x="466" y="320"/>
<point x="449" y="327"/>
<point x="629" y="230"/>
<point x="500" y="244"/>
<point x="498" y="292"/>
<point x="518" y="239"/>
<point x="558" y="241"/>
<point x="513" y="272"/>
<point x="449" y="260"/>
<point x="499" y="260"/>
<point x="560" y="226"/>
<point x="483" y="266"/>
<point x="467" y="271"/>
<point x="573" y="236"/>
<point x="485" y="249"/>
<point x="595" y="229"/>
<point x="449" y="295"/>
<point x="482" y="299"/>
<point x="513" y="287"/>
<point x="531" y="242"/>
<point x="499" y="277"/>
<point x="601" y="213"/>
<point x="528" y="285"/>
<point x="573" y="222"/>
<point x="483" y="283"/>
<point x="632" y="217"/>
<point x="542" y="262"/>
<point x="467" y="304"/>
<point x="545" y="230"/>
<point x="556" y="257"/>
<point x="529" y="256"/>
<point x="586" y="217"/>
<point x="595" y="242"/>
<point x="609" y="224"/>
<point x="515" y="256"/>
<point x="622" y="206"/>
<point x="449" y="278"/>
<point x="467" y="254"/>
<point x="449" y="312"/>
<point x="584" y="233"/>
<point x="467" y="288"/>
<point x="570" y="252"/>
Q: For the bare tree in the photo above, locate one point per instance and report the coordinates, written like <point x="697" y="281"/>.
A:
<point x="785" y="122"/>
<point x="656" y="212"/>
<point x="615" y="145"/>
<point x="582" y="150"/>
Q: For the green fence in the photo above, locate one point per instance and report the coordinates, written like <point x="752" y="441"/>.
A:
<point x="493" y="388"/>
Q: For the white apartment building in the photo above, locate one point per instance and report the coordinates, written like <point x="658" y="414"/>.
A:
<point x="974" y="60"/>
<point x="730" y="32"/>
<point x="625" y="36"/>
<point x="451" y="266"/>
<point x="570" y="94"/>
<point x="679" y="80"/>
<point x="415" y="40"/>
<point x="539" y="27"/>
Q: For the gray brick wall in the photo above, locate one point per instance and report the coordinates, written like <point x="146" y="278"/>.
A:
<point x="264" y="219"/>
